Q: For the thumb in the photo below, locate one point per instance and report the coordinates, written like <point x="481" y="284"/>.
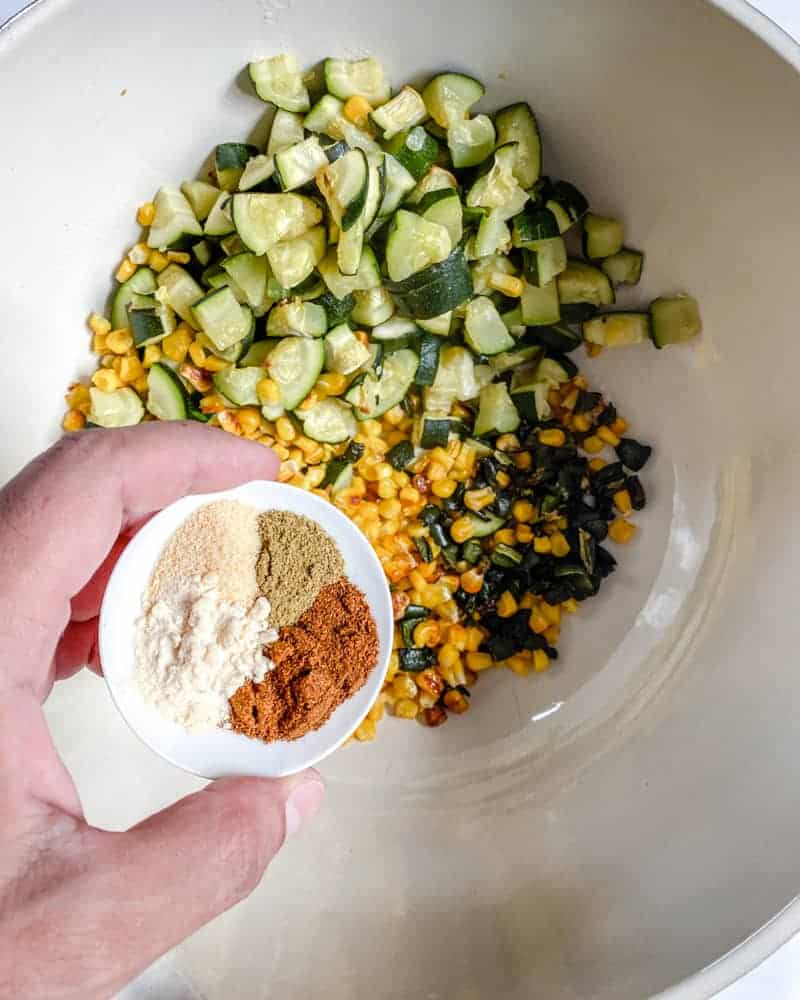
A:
<point x="172" y="873"/>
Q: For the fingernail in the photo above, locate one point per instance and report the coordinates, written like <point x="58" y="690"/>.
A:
<point x="303" y="803"/>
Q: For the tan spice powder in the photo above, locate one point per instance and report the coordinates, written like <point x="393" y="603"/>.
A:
<point x="319" y="662"/>
<point x="298" y="558"/>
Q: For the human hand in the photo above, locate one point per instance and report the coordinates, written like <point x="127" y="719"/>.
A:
<point x="82" y="911"/>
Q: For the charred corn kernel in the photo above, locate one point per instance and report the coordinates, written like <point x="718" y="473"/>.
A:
<point x="229" y="422"/>
<point x="553" y="437"/>
<point x="456" y="701"/>
<point x="213" y="403"/>
<point x="99" y="343"/>
<point x="249" y="419"/>
<point x="478" y="499"/>
<point x="621" y="531"/>
<point x="431" y="682"/>
<point x="474" y="639"/>
<point x="597" y="464"/>
<point x="507" y="442"/>
<point x="73" y="420"/>
<point x="622" y="501"/>
<point x="471" y="581"/>
<point x="552" y="633"/>
<point x="158" y="261"/>
<point x="448" y="656"/>
<point x="519" y="665"/>
<point x="197" y="353"/>
<point x="507" y="284"/>
<point x="478" y="661"/>
<point x="461" y="530"/>
<point x="593" y="350"/>
<point x="126" y="270"/>
<point x="505" y="536"/>
<point x="175" y="345"/>
<point x="119" y="341"/>
<point x="146" y="213"/>
<point x="331" y="384"/>
<point x="212" y="364"/>
<point x="427" y="633"/>
<point x="581" y="422"/>
<point x="619" y="426"/>
<point x="559" y="545"/>
<point x="362" y="336"/>
<point x="406" y="709"/>
<point x="523" y="511"/>
<point x="537" y="622"/>
<point x="554" y="398"/>
<point x="78" y="398"/>
<point x="178" y="257"/>
<point x="523" y="533"/>
<point x="387" y="490"/>
<point x="570" y="605"/>
<point x="541" y="545"/>
<point x="392" y="667"/>
<point x="130" y="369"/>
<point x="507" y="605"/>
<point x="107" y="380"/>
<point x="139" y="254"/>
<point x="593" y="444"/>
<point x="390" y="509"/>
<point x="607" y="435"/>
<point x="285" y="429"/>
<point x="367" y="731"/>
<point x="268" y="391"/>
<point x="444" y="488"/>
<point x="541" y="661"/>
<point x="99" y="324"/>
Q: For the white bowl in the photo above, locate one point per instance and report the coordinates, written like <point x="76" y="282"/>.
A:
<point x="222" y="753"/>
<point x="611" y="827"/>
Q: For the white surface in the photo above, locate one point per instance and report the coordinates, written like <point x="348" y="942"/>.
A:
<point x="223" y="753"/>
<point x="610" y="827"/>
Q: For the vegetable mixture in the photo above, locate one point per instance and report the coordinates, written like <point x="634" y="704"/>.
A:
<point x="388" y="296"/>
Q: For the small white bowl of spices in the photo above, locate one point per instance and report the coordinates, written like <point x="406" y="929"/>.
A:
<point x="246" y="632"/>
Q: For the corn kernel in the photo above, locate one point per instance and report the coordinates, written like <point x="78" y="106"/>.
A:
<point x="99" y="345"/>
<point x="478" y="661"/>
<point x="593" y="350"/>
<point x="389" y="509"/>
<point x="507" y="605"/>
<point x="107" y="380"/>
<point x="552" y="634"/>
<point x="130" y="369"/>
<point x="581" y="422"/>
<point x="553" y="437"/>
<point x="597" y="464"/>
<point x="622" y="501"/>
<point x="126" y="270"/>
<point x="357" y="110"/>
<point x="461" y="530"/>
<point x="427" y="633"/>
<point x="503" y="479"/>
<point x="214" y="403"/>
<point x="331" y="384"/>
<point x="228" y="422"/>
<point x="507" y="442"/>
<point x="73" y="420"/>
<point x="285" y="429"/>
<point x="570" y="605"/>
<point x="444" y="488"/>
<point x="366" y="732"/>
<point x="593" y="444"/>
<point x="523" y="533"/>
<point x="607" y="435"/>
<point x="619" y="426"/>
<point x="541" y="661"/>
<point x="157" y="261"/>
<point x="541" y="545"/>
<point x="474" y="639"/>
<point x="476" y="500"/>
<point x="178" y="257"/>
<point x="141" y="385"/>
<point x="151" y="354"/>
<point x="507" y="284"/>
<point x="523" y="460"/>
<point x="519" y="665"/>
<point x="448" y="656"/>
<point x="99" y="324"/>
<point x="197" y="353"/>
<point x="119" y="341"/>
<point x="375" y="714"/>
<point x="139" y="254"/>
<point x="78" y="398"/>
<point x="394" y="417"/>
<point x="552" y="612"/>
<point x="175" y="345"/>
<point x="406" y="709"/>
<point x="249" y="419"/>
<point x="559" y="545"/>
<point x="392" y="667"/>
<point x="523" y="511"/>
<point x="146" y="213"/>
<point x="621" y="531"/>
<point x="430" y="681"/>
<point x="456" y="701"/>
<point x="537" y="622"/>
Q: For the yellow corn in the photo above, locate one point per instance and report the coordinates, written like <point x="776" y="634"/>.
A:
<point x="249" y="419"/>
<point x="131" y="369"/>
<point x="478" y="661"/>
<point x="448" y="656"/>
<point x="507" y="605"/>
<point x="570" y="399"/>
<point x="597" y="464"/>
<point x="527" y="601"/>
<point x="507" y="442"/>
<point x="537" y="622"/>
<point x="523" y="511"/>
<point x="139" y="254"/>
<point x="621" y="531"/>
<point x="461" y="530"/>
<point x="152" y="354"/>
<point x="175" y="345"/>
<point x="581" y="422"/>
<point x="126" y="270"/>
<point x="406" y="709"/>
<point x="474" y="638"/>
<point x="119" y="341"/>
<point x="99" y="345"/>
<point x="366" y="732"/>
<point x="503" y="479"/>
<point x="331" y="384"/>
<point x="285" y="429"/>
<point x="559" y="545"/>
<point x="357" y="110"/>
<point x="471" y="581"/>
<point x="523" y="533"/>
<point x="505" y="536"/>
<point x="552" y="612"/>
<point x="73" y="420"/>
<point x="78" y="398"/>
<point x="376" y="712"/>
<point x="541" y="545"/>
<point x="608" y="436"/>
<point x="519" y="665"/>
<point x="541" y="661"/>
<point x="456" y="701"/>
<point x="387" y="490"/>
<point x="157" y="261"/>
<point x="478" y="499"/>
<point x="229" y="422"/>
<point x="214" y="364"/>
<point x="593" y="444"/>
<point x="619" y="426"/>
<point x="444" y="488"/>
<point x="107" y="380"/>
<point x="393" y="667"/>
<point x="178" y="257"/>
<point x="523" y="460"/>
<point x="552" y="633"/>
<point x="553" y="437"/>
<point x="427" y="633"/>
<point x="622" y="501"/>
<point x="390" y="509"/>
<point x="593" y="350"/>
<point x="99" y="324"/>
<point x="436" y="471"/>
<point x="213" y="403"/>
<point x="570" y="605"/>
<point x="197" y="353"/>
<point x="507" y="284"/>
<point x="268" y="391"/>
<point x="141" y="385"/>
<point x="146" y="213"/>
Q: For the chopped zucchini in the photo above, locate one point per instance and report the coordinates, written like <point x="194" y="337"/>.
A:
<point x="498" y="187"/>
<point x="540" y="306"/>
<point x="581" y="283"/>
<point x="454" y="381"/>
<point x="484" y="330"/>
<point x="182" y="291"/>
<point x="602" y="237"/>
<point x="258" y="171"/>
<point x="401" y="455"/>
<point x="166" y="395"/>
<point x="174" y="221"/>
<point x="435" y="290"/>
<point x="249" y="273"/>
<point x="405" y="110"/>
<point x="360" y="77"/>
<point x="496" y="411"/>
<point x="294" y="260"/>
<point x="342" y="285"/>
<point x="372" y="397"/>
<point x="617" y="329"/>
<point x="239" y="385"/>
<point x="295" y="318"/>
<point x="517" y="123"/>
<point x="344" y="184"/>
<point x="470" y="141"/>
<point x="220" y="221"/>
<point x="201" y="196"/>
<point x="440" y="325"/>
<point x="429" y="347"/>
<point x="624" y="267"/>
<point x="544" y="260"/>
<point x="414" y="244"/>
<point x="674" y="320"/>
<point x="286" y="131"/>
<point x="415" y="149"/>
<point x="230" y="159"/>
<point x="373" y="306"/>
<point x="444" y="207"/>
<point x="330" y="421"/>
<point x="485" y="525"/>
<point x="120" y="408"/>
<point x="436" y="179"/>
<point x="136" y="291"/>
<point x="222" y="319"/>
<point x="326" y="117"/>
<point x="262" y="220"/>
<point x="344" y="352"/>
<point x="450" y="96"/>
<point x="299" y="164"/>
<point x="279" y="81"/>
<point x="398" y="183"/>
<point x="295" y="364"/>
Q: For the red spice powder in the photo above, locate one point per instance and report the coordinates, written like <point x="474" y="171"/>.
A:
<point x="320" y="661"/>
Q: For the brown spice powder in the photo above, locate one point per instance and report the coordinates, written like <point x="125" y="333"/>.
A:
<point x="298" y="558"/>
<point x="319" y="662"/>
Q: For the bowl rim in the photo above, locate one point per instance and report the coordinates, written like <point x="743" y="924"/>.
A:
<point x="766" y="940"/>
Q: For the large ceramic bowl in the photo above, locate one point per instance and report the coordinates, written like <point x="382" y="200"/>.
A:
<point x="613" y="827"/>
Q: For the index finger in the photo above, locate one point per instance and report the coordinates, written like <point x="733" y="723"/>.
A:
<point x="60" y="517"/>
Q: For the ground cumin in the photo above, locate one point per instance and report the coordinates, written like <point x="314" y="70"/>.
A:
<point x="298" y="558"/>
<point x="319" y="662"/>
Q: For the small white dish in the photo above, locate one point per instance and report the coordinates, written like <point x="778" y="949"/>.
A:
<point x="221" y="753"/>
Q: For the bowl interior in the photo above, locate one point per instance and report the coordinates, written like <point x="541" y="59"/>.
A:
<point x="223" y="753"/>
<point x="609" y="828"/>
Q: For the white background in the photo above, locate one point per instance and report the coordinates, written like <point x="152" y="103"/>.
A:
<point x="779" y="977"/>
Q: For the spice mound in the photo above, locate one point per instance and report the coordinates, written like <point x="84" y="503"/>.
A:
<point x="320" y="661"/>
